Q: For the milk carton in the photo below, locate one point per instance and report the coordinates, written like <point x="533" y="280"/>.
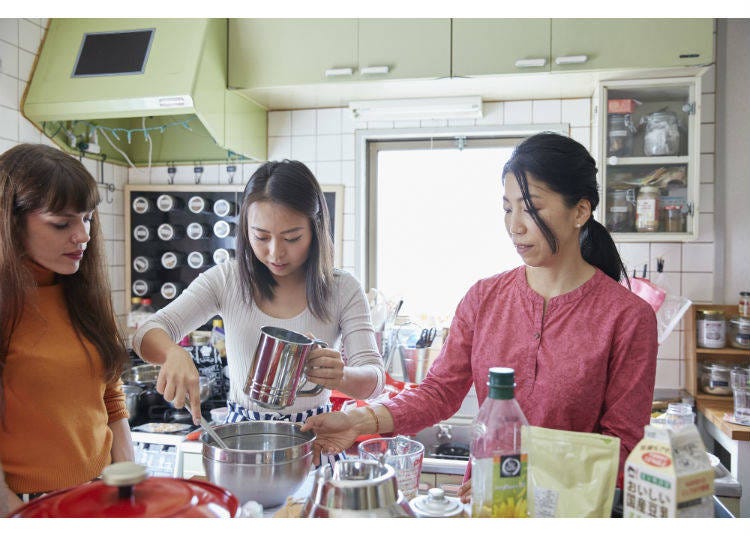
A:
<point x="668" y="474"/>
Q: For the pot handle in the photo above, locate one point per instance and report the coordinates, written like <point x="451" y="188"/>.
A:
<point x="303" y="378"/>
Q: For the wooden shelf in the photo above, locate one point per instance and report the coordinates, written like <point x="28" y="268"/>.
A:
<point x="714" y="412"/>
<point x="726" y="351"/>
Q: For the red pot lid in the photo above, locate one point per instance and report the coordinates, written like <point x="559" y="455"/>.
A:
<point x="126" y="491"/>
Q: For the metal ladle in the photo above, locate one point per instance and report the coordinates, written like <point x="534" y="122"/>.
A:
<point x="207" y="427"/>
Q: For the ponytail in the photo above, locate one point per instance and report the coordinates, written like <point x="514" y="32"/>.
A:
<point x="598" y="249"/>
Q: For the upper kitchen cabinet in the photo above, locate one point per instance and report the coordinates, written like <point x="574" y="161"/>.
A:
<point x="506" y="46"/>
<point x="649" y="163"/>
<point x="500" y="46"/>
<point x="284" y="52"/>
<point x="404" y="48"/>
<point x="594" y="44"/>
<point x="265" y="53"/>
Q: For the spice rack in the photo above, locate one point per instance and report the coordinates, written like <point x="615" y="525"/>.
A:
<point x="180" y="217"/>
<point x="695" y="356"/>
<point x="649" y="166"/>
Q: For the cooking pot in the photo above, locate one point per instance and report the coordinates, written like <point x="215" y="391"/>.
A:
<point x="132" y="393"/>
<point x="141" y="375"/>
<point x="126" y="490"/>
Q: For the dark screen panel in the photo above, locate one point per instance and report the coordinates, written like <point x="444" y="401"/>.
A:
<point x="113" y="53"/>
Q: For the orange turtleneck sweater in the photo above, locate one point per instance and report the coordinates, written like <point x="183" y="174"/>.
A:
<point x="57" y="406"/>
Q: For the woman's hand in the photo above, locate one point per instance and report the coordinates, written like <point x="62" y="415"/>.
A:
<point x="335" y="431"/>
<point x="325" y="366"/>
<point x="464" y="492"/>
<point x="179" y="377"/>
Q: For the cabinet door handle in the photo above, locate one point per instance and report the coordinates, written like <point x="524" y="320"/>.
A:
<point x="534" y="62"/>
<point x="566" y="60"/>
<point x="377" y="69"/>
<point x="345" y="71"/>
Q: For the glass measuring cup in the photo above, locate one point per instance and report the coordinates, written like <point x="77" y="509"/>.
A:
<point x="403" y="454"/>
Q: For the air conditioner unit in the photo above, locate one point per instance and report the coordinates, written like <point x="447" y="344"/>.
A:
<point x="427" y="108"/>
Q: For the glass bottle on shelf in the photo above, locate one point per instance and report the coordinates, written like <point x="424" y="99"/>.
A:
<point x="647" y="210"/>
<point x="620" y="132"/>
<point x="662" y="134"/>
<point x="620" y="210"/>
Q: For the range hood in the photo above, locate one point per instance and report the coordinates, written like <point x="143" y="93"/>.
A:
<point x="156" y="89"/>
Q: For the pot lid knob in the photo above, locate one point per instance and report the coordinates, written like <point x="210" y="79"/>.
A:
<point x="124" y="474"/>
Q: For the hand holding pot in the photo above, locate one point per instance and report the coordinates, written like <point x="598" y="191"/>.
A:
<point x="335" y="431"/>
<point x="179" y="377"/>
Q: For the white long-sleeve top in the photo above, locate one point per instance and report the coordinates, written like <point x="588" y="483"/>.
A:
<point x="218" y="291"/>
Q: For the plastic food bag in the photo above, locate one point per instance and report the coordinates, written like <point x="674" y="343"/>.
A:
<point x="570" y="474"/>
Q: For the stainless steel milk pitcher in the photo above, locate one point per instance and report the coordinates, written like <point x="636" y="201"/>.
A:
<point x="277" y="373"/>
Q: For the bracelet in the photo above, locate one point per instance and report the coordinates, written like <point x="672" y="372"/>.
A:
<point x="374" y="416"/>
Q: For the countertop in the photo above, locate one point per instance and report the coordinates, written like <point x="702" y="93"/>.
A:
<point x="714" y="412"/>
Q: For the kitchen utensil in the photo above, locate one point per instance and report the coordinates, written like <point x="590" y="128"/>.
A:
<point x="131" y="401"/>
<point x="436" y="504"/>
<point x="266" y="461"/>
<point x="126" y="490"/>
<point x="276" y="376"/>
<point x="356" y="488"/>
<point x="426" y="338"/>
<point x="206" y="426"/>
<point x="403" y="454"/>
<point x="415" y="363"/>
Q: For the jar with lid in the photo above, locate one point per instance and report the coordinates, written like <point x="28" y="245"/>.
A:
<point x="620" y="210"/>
<point x="715" y="379"/>
<point x="679" y="414"/>
<point x="712" y="328"/>
<point x="647" y="210"/>
<point x="662" y="136"/>
<point x="620" y="131"/>
<point x="674" y="219"/>
<point x="744" y="305"/>
<point x="738" y="332"/>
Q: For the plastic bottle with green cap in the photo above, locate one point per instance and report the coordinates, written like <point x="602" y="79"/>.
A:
<point x="498" y="462"/>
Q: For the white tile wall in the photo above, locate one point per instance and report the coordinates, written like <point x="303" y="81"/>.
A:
<point x="19" y="42"/>
<point x="324" y="140"/>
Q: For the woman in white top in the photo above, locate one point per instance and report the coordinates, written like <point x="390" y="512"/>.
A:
<point x="283" y="276"/>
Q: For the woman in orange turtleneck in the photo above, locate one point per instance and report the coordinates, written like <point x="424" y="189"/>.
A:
<point x="62" y="410"/>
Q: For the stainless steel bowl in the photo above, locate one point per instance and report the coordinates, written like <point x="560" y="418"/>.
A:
<point x="266" y="462"/>
<point x="142" y="375"/>
<point x="356" y="488"/>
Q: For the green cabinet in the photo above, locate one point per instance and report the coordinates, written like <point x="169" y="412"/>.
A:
<point x="266" y="53"/>
<point x="594" y="44"/>
<point x="403" y="48"/>
<point x="500" y="46"/>
<point x="506" y="46"/>
<point x="284" y="52"/>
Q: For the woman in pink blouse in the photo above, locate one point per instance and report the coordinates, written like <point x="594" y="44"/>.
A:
<point x="583" y="346"/>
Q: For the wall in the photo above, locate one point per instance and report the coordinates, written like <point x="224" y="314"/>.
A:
<point x="324" y="139"/>
<point x="733" y="157"/>
<point x="19" y="43"/>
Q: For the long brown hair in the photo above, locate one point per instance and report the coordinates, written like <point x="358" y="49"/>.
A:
<point x="37" y="177"/>
<point x="292" y="184"/>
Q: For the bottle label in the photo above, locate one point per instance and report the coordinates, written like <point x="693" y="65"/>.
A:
<point x="503" y="494"/>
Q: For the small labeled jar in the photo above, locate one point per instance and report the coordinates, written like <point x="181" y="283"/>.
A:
<point x="744" y="304"/>
<point x="715" y="379"/>
<point x="620" y="131"/>
<point x="674" y="219"/>
<point x="620" y="211"/>
<point x="647" y="210"/>
<point x="738" y="332"/>
<point x="712" y="328"/>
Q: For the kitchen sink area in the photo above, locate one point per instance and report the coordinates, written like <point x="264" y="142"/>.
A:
<point x="446" y="446"/>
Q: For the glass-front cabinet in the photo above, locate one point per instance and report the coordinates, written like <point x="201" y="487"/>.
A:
<point x="649" y="161"/>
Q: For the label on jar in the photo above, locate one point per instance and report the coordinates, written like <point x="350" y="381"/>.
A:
<point x="712" y="333"/>
<point x="169" y="291"/>
<point x="222" y="207"/>
<point x="140" y="287"/>
<point x="169" y="260"/>
<point x="165" y="231"/>
<point x="195" y="231"/>
<point x="141" y="233"/>
<point x="618" y="209"/>
<point x="196" y="204"/>
<point x="196" y="259"/>
<point x="165" y="202"/>
<point x="141" y="205"/>
<point x="646" y="215"/>
<point x="141" y="264"/>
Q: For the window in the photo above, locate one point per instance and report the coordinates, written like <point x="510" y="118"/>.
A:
<point x="436" y="221"/>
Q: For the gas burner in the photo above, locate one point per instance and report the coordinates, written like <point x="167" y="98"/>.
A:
<point x="450" y="451"/>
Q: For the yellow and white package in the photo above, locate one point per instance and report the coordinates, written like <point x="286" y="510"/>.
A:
<point x="668" y="474"/>
<point x="570" y="474"/>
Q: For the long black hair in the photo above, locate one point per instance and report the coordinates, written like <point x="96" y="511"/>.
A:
<point x="566" y="167"/>
<point x="292" y="184"/>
